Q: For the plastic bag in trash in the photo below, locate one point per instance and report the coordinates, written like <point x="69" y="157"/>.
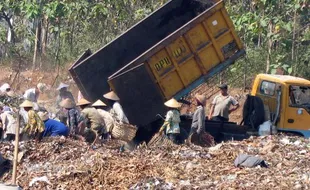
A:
<point x="38" y="179"/>
<point x="264" y="129"/>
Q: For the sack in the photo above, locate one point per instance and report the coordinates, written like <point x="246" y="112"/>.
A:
<point x="264" y="129"/>
<point x="123" y="131"/>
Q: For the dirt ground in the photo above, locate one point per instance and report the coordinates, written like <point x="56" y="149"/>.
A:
<point x="20" y="82"/>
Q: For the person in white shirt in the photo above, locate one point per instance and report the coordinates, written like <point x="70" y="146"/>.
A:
<point x="220" y="106"/>
<point x="117" y="110"/>
<point x="9" y="123"/>
<point x="33" y="94"/>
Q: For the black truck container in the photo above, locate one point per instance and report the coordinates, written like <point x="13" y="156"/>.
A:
<point x="91" y="71"/>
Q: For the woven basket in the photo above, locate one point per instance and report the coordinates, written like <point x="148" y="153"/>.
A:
<point x="159" y="140"/>
<point x="204" y="140"/>
<point x="125" y="132"/>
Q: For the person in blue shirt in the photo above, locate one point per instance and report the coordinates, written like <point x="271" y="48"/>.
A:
<point x="53" y="127"/>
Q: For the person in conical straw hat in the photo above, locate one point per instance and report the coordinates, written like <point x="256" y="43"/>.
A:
<point x="102" y="108"/>
<point x="117" y="110"/>
<point x="35" y="126"/>
<point x="71" y="114"/>
<point x="171" y="126"/>
<point x="90" y="122"/>
<point x="198" y="123"/>
<point x="63" y="94"/>
<point x="199" y="117"/>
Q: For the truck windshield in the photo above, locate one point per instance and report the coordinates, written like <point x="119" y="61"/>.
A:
<point x="300" y="96"/>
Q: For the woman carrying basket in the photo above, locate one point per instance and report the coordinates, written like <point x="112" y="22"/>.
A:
<point x="117" y="110"/>
<point x="171" y="125"/>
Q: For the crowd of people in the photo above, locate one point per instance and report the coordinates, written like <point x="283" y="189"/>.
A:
<point x="81" y="120"/>
<point x="92" y="121"/>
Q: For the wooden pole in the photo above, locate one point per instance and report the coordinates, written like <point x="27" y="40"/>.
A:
<point x="16" y="150"/>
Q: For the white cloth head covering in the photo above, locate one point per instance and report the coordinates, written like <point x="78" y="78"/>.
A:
<point x="4" y="87"/>
<point x="43" y="115"/>
<point x="41" y="87"/>
<point x="62" y="85"/>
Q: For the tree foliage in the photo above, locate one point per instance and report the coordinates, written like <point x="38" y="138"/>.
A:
<point x="275" y="32"/>
<point x="66" y="27"/>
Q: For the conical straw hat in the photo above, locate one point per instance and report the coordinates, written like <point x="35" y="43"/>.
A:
<point x="173" y="103"/>
<point x="26" y="104"/>
<point x="99" y="103"/>
<point x="111" y="96"/>
<point x="201" y="98"/>
<point x="83" y="102"/>
<point x="67" y="103"/>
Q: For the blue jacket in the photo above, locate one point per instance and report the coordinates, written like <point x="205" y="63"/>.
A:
<point x="55" y="128"/>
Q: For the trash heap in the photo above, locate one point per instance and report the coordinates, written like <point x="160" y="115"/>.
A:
<point x="58" y="163"/>
<point x="12" y="101"/>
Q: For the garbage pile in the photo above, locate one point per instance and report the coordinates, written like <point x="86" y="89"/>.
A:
<point x="58" y="163"/>
<point x="11" y="101"/>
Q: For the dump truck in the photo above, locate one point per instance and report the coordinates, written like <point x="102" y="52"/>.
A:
<point x="91" y="70"/>
<point x="171" y="52"/>
<point x="196" y="41"/>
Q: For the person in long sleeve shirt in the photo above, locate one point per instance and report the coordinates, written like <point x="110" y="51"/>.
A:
<point x="91" y="124"/>
<point x="171" y="125"/>
<point x="198" y="134"/>
<point x="35" y="126"/>
<point x="117" y="110"/>
<point x="9" y="123"/>
<point x="52" y="127"/>
<point x="63" y="94"/>
<point x="72" y="115"/>
<point x="107" y="117"/>
<point x="199" y="117"/>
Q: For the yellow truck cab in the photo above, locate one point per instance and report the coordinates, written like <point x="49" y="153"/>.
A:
<point x="288" y="100"/>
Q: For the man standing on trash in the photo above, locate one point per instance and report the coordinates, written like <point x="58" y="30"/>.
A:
<point x="220" y="107"/>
